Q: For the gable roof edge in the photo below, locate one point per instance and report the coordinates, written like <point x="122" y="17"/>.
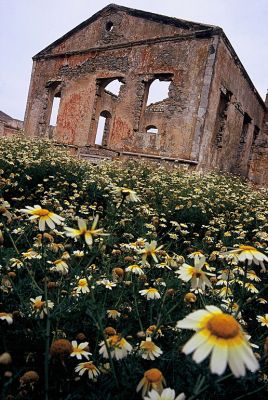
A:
<point x="131" y="11"/>
<point x="242" y="68"/>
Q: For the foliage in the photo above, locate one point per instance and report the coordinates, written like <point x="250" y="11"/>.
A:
<point x="183" y="212"/>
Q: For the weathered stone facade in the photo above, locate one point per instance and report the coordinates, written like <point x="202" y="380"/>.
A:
<point x="211" y="118"/>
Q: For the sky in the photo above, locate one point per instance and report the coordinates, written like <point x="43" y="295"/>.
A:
<point x="28" y="26"/>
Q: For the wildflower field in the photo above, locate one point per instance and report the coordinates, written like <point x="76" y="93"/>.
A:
<point x="129" y="280"/>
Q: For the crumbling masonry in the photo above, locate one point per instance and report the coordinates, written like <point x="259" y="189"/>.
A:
<point x="212" y="116"/>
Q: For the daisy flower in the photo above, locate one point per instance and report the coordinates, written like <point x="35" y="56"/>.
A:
<point x="60" y="266"/>
<point x="119" y="347"/>
<point x="40" y="307"/>
<point x="251" y="288"/>
<point x="83" y="231"/>
<point x="6" y="317"/>
<point x="88" y="367"/>
<point x="108" y="284"/>
<point x="150" y="249"/>
<point x="16" y="262"/>
<point x="249" y="253"/>
<point x="152" y="379"/>
<point x="79" y="351"/>
<point x="126" y="193"/>
<point x="167" y="394"/>
<point x="220" y="334"/>
<point x="45" y="216"/>
<point x="152" y="331"/>
<point x="196" y="255"/>
<point x="195" y="274"/>
<point x="78" y="253"/>
<point x="151" y="293"/>
<point x="252" y="276"/>
<point x="149" y="350"/>
<point x="263" y="319"/>
<point x="135" y="269"/>
<point x="30" y="254"/>
<point x="114" y="314"/>
<point x="82" y="286"/>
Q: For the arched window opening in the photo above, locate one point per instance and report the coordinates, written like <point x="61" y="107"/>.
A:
<point x="55" y="110"/>
<point x="114" y="87"/>
<point x="109" y="26"/>
<point x="158" y="91"/>
<point x="103" y="129"/>
<point x="152" y="129"/>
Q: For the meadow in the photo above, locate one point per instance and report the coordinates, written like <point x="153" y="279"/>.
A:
<point x="129" y="280"/>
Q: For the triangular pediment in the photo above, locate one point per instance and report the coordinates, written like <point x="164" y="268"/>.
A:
<point x="116" y="24"/>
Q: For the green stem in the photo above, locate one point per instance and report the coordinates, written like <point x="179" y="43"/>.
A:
<point x="101" y="328"/>
<point x="17" y="251"/>
<point x="196" y="395"/>
<point x="47" y="335"/>
<point x="243" y="290"/>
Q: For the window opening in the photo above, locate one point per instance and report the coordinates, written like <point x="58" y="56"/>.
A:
<point x="54" y="111"/>
<point x="158" y="91"/>
<point x="255" y="134"/>
<point x="222" y="114"/>
<point x="103" y="128"/>
<point x="244" y="132"/>
<point x="152" y="129"/>
<point x="109" y="26"/>
<point x="114" y="87"/>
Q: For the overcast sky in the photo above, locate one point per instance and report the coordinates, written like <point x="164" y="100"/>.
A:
<point x="27" y="26"/>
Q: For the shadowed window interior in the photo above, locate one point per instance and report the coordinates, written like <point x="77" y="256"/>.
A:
<point x="109" y="26"/>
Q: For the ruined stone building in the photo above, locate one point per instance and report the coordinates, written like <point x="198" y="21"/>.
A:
<point x="9" y="126"/>
<point x="211" y="116"/>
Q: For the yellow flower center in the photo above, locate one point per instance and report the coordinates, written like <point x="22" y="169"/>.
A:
<point x="148" y="345"/>
<point x="153" y="375"/>
<point x="243" y="247"/>
<point x="3" y="314"/>
<point x="151" y="329"/>
<point x="82" y="282"/>
<point x="223" y="326"/>
<point x="89" y="365"/>
<point x="114" y="340"/>
<point x="197" y="273"/>
<point x="42" y="212"/>
<point x="152" y="290"/>
<point x="39" y="304"/>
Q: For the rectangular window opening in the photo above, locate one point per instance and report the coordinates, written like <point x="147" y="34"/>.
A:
<point x="244" y="132"/>
<point x="55" y="110"/>
<point x="222" y="113"/>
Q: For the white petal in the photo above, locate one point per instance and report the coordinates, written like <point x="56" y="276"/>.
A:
<point x="235" y="363"/>
<point x="82" y="224"/>
<point x="248" y="357"/>
<point x="181" y="397"/>
<point x="168" y="394"/>
<point x="195" y="341"/>
<point x="188" y="324"/>
<point x="202" y="352"/>
<point x="218" y="361"/>
<point x="214" y="309"/>
<point x="42" y="224"/>
<point x="50" y="223"/>
<point x="88" y="239"/>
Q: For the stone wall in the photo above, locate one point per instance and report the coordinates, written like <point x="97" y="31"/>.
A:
<point x="212" y="116"/>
